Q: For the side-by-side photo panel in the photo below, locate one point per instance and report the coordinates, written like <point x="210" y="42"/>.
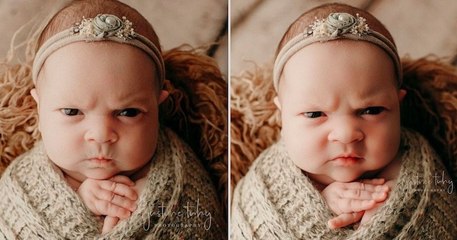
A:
<point x="114" y="119"/>
<point x="343" y="120"/>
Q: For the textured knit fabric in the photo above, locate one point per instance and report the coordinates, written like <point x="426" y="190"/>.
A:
<point x="178" y="201"/>
<point x="275" y="200"/>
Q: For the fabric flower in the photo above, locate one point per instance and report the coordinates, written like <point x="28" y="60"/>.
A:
<point x="340" y="23"/>
<point x="106" y="25"/>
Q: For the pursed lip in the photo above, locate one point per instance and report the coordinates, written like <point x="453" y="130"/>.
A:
<point x="100" y="159"/>
<point x="347" y="159"/>
<point x="350" y="155"/>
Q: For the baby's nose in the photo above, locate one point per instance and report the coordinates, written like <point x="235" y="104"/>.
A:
<point x="101" y="131"/>
<point x="347" y="132"/>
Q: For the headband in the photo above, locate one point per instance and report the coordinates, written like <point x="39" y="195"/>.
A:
<point x="103" y="27"/>
<point x="336" y="26"/>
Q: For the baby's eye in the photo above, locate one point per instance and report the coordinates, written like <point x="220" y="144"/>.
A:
<point x="313" y="114"/>
<point x="373" y="110"/>
<point x="70" y="111"/>
<point x="129" y="112"/>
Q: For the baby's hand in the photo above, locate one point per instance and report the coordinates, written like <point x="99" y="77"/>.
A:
<point x="369" y="213"/>
<point x="349" y="200"/>
<point x="115" y="197"/>
<point x="110" y="222"/>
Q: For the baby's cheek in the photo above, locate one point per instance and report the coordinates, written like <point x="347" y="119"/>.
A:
<point x="303" y="144"/>
<point x="384" y="148"/>
<point x="300" y="154"/>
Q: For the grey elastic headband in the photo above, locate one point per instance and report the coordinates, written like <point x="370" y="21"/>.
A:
<point x="336" y="26"/>
<point x="104" y="27"/>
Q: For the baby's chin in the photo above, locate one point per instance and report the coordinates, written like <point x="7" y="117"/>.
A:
<point x="346" y="176"/>
<point x="100" y="174"/>
<point x="327" y="179"/>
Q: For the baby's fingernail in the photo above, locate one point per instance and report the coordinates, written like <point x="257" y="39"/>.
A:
<point x="133" y="208"/>
<point x="380" y="195"/>
<point x="380" y="180"/>
<point x="382" y="188"/>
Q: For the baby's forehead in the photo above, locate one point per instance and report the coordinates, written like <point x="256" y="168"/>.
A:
<point x="87" y="93"/>
<point x="339" y="59"/>
<point x="98" y="60"/>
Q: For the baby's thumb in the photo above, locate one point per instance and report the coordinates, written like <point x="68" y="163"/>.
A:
<point x="122" y="179"/>
<point x="109" y="224"/>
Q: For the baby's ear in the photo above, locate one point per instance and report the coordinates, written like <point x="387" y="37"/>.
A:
<point x="163" y="95"/>
<point x="34" y="94"/>
<point x="277" y="103"/>
<point x="401" y="94"/>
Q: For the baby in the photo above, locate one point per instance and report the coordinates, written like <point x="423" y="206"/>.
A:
<point x="340" y="111"/>
<point x="99" y="77"/>
<point x="337" y="75"/>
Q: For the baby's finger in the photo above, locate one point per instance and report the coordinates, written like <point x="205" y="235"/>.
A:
<point x="124" y="202"/>
<point x="122" y="179"/>
<point x="110" y="209"/>
<point x="374" y="181"/>
<point x="113" y="197"/>
<point x="361" y="205"/>
<point x="344" y="220"/>
<point x="119" y="189"/>
<point x="109" y="224"/>
<point x="363" y="195"/>
<point x="366" y="186"/>
<point x="351" y="205"/>
<point x="105" y="195"/>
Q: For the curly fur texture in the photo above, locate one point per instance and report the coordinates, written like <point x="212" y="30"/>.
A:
<point x="18" y="113"/>
<point x="254" y="119"/>
<point x="196" y="109"/>
<point x="430" y="107"/>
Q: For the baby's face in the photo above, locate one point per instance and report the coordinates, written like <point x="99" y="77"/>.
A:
<point x="340" y="110"/>
<point x="98" y="109"/>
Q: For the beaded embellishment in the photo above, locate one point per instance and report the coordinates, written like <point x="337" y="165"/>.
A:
<point x="105" y="25"/>
<point x="337" y="24"/>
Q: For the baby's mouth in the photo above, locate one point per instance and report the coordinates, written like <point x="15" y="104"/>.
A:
<point x="101" y="161"/>
<point x="347" y="160"/>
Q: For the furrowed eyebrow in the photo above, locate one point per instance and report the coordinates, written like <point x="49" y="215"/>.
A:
<point x="142" y="100"/>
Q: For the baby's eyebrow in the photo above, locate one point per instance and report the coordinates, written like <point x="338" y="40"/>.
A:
<point x="134" y="99"/>
<point x="371" y="92"/>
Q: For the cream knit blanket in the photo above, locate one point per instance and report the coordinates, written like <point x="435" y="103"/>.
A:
<point x="276" y="201"/>
<point x="178" y="201"/>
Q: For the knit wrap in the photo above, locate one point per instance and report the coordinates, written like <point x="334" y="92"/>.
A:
<point x="177" y="202"/>
<point x="275" y="200"/>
